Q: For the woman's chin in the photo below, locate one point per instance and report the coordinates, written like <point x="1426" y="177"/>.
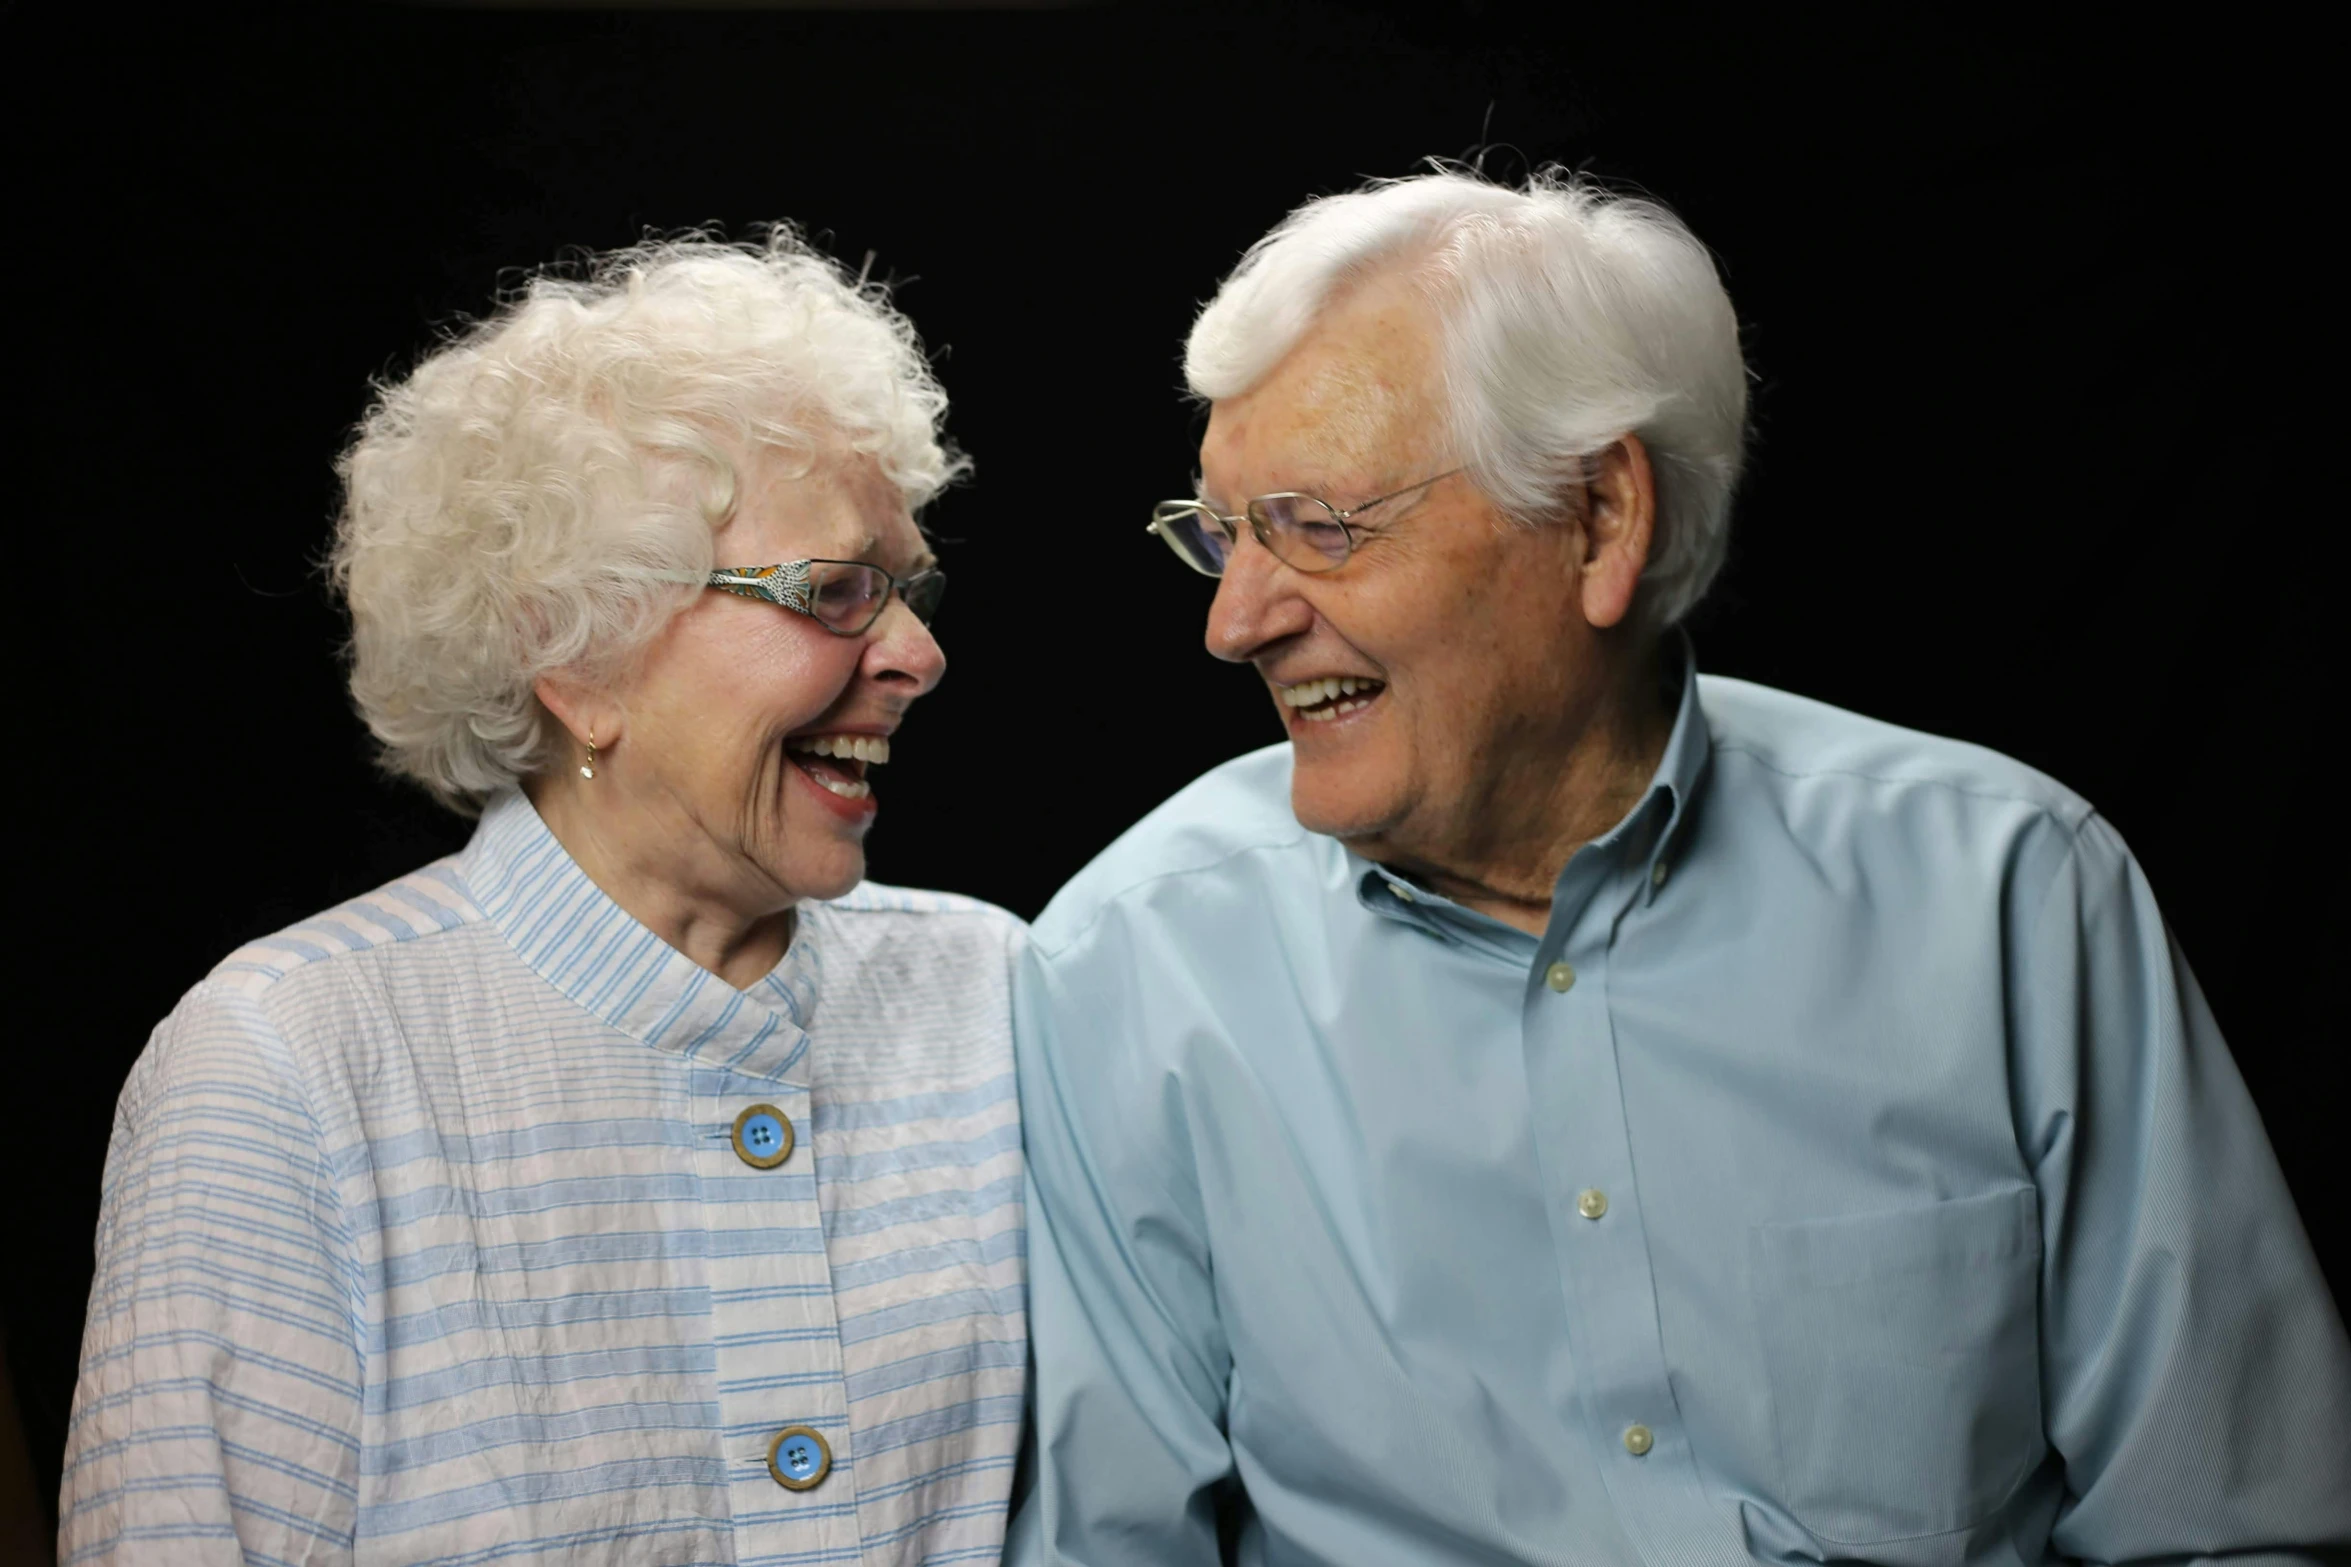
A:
<point x="840" y="886"/>
<point x="820" y="871"/>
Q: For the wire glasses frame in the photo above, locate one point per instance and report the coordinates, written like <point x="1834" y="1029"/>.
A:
<point x="844" y="596"/>
<point x="1303" y="532"/>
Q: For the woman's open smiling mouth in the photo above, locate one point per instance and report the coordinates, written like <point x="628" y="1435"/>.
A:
<point x="837" y="763"/>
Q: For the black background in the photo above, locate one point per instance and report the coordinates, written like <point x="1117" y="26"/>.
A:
<point x="2028" y="308"/>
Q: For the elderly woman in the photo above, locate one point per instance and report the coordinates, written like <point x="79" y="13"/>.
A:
<point x="636" y="1184"/>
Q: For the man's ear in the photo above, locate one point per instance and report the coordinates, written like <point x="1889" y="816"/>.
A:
<point x="1620" y="519"/>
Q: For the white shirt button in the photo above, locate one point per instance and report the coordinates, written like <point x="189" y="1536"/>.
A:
<point x="1559" y="976"/>
<point x="1591" y="1202"/>
<point x="1638" y="1440"/>
<point x="1658" y="873"/>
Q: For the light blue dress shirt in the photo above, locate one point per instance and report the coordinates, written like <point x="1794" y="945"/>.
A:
<point x="1852" y="1171"/>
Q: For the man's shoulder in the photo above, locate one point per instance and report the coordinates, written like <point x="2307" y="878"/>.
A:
<point x="1236" y="812"/>
<point x="1793" y="741"/>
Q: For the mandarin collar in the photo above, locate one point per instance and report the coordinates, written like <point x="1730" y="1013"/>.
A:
<point x="573" y="936"/>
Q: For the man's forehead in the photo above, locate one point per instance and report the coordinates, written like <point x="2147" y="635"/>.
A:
<point x="1339" y="419"/>
<point x="1339" y="393"/>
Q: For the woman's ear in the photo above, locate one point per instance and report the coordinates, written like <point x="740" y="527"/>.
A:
<point x="587" y="714"/>
<point x="1620" y="518"/>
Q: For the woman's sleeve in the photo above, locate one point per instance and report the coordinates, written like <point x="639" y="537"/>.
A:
<point x="216" y="1417"/>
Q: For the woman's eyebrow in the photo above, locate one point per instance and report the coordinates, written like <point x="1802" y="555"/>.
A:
<point x="869" y="549"/>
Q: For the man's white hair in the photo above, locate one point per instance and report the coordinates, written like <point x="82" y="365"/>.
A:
<point x="1571" y="318"/>
<point x="539" y="494"/>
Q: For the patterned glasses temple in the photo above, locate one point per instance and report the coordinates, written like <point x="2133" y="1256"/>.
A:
<point x="786" y="584"/>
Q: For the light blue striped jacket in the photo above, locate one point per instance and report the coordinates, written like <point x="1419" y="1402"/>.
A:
<point x="425" y="1239"/>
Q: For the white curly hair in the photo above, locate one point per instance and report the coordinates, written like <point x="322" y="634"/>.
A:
<point x="1571" y="317"/>
<point x="539" y="493"/>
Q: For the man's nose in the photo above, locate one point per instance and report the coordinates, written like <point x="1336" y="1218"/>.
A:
<point x="1256" y="604"/>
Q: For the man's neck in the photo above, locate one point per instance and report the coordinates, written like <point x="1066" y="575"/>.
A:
<point x="1504" y="861"/>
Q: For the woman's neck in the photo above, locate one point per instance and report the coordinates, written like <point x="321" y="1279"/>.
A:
<point x="671" y="878"/>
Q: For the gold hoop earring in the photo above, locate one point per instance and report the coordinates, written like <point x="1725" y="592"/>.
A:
<point x="588" y="767"/>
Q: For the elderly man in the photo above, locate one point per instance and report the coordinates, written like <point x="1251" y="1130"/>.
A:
<point x="1563" y="1108"/>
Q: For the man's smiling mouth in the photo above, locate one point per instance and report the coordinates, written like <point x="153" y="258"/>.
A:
<point x="1332" y="696"/>
<point x="837" y="762"/>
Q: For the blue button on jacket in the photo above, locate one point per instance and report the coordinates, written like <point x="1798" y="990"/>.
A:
<point x="1881" y="1164"/>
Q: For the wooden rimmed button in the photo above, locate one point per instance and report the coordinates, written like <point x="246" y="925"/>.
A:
<point x="763" y="1137"/>
<point x="799" y="1458"/>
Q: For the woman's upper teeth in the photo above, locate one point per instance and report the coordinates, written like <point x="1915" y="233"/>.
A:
<point x="1309" y="693"/>
<point x="851" y="748"/>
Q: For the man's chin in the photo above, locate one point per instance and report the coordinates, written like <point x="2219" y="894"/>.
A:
<point x="1341" y="809"/>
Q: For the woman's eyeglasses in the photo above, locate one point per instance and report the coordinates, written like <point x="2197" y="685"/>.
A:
<point x="844" y="596"/>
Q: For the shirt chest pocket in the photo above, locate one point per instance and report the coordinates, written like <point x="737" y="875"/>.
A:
<point x="1903" y="1355"/>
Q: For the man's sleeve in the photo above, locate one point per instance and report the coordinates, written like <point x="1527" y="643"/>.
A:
<point x="2196" y="1379"/>
<point x="1131" y="1361"/>
<point x="216" y="1418"/>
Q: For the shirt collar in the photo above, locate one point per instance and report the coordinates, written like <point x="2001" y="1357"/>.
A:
<point x="1655" y="826"/>
<point x="1681" y="772"/>
<point x="585" y="945"/>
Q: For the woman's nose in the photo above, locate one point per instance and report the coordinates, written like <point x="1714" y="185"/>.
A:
<point x="902" y="652"/>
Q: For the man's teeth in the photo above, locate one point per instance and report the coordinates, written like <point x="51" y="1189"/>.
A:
<point x="850" y="748"/>
<point x="1309" y="696"/>
<point x="847" y="789"/>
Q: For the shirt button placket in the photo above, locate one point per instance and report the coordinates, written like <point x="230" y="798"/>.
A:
<point x="799" y="1457"/>
<point x="775" y="1326"/>
<point x="1573" y="1074"/>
